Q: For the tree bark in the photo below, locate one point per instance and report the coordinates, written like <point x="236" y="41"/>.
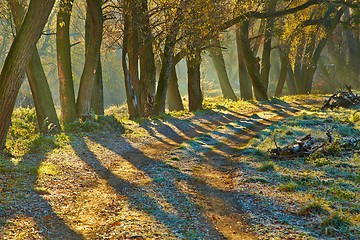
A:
<point x="97" y="97"/>
<point x="129" y="48"/>
<point x="66" y="83"/>
<point x="166" y="67"/>
<point x="259" y="87"/>
<point x="244" y="77"/>
<point x="193" y="61"/>
<point x="92" y="57"/>
<point x="147" y="82"/>
<point x="44" y="104"/>
<point x="20" y="53"/>
<point x="265" y="60"/>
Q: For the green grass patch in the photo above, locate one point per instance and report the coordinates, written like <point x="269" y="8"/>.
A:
<point x="288" y="187"/>
<point x="267" y="166"/>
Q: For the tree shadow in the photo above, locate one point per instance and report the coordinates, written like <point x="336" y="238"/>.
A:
<point x="23" y="199"/>
<point x="164" y="179"/>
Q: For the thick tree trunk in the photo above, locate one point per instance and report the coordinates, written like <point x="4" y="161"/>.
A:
<point x="21" y="51"/>
<point x="129" y="49"/>
<point x="67" y="94"/>
<point x="193" y="61"/>
<point x="44" y="104"/>
<point x="92" y="57"/>
<point x="259" y="87"/>
<point x="147" y="82"/>
<point x="217" y="58"/>
<point x="173" y="95"/>
<point x="244" y="77"/>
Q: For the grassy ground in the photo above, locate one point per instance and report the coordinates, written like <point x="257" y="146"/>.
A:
<point x="181" y="176"/>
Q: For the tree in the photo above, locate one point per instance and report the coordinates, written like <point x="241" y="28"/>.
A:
<point x="44" y="105"/>
<point x="21" y="51"/>
<point x="92" y="57"/>
<point x="67" y="94"/>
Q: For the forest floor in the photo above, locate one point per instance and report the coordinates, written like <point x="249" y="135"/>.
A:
<point x="184" y="176"/>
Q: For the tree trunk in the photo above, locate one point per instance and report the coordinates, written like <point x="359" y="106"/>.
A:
<point x="20" y="53"/>
<point x="67" y="94"/>
<point x="173" y="95"/>
<point x="330" y="25"/>
<point x="283" y="74"/>
<point x="259" y="87"/>
<point x="166" y="68"/>
<point x="193" y="61"/>
<point x="44" y="104"/>
<point x="244" y="77"/>
<point x="92" y="56"/>
<point x="217" y="58"/>
<point x="265" y="60"/>
<point x="97" y="97"/>
<point x="130" y="49"/>
<point x="147" y="82"/>
<point x="298" y="66"/>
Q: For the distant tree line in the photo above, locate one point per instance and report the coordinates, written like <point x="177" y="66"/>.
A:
<point x="309" y="36"/>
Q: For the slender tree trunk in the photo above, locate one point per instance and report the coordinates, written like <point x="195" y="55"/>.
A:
<point x="193" y="62"/>
<point x="217" y="58"/>
<point x="283" y="73"/>
<point x="92" y="57"/>
<point x="265" y="60"/>
<point x="290" y="80"/>
<point x="173" y="95"/>
<point x="97" y="97"/>
<point x="244" y="77"/>
<point x="44" y="104"/>
<point x="21" y="51"/>
<point x="67" y="94"/>
<point x="298" y="66"/>
<point x="259" y="87"/>
<point x="330" y="25"/>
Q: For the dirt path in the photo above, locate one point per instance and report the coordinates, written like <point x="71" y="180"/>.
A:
<point x="174" y="182"/>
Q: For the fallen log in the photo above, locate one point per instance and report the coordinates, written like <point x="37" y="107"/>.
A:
<point x="310" y="144"/>
<point x="342" y="99"/>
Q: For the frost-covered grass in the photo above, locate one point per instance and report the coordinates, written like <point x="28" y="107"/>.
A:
<point x="323" y="188"/>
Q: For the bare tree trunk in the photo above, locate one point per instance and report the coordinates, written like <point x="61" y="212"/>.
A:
<point x="166" y="67"/>
<point x="97" y="97"/>
<point x="265" y="60"/>
<point x="244" y="77"/>
<point x="259" y="87"/>
<point x="67" y="94"/>
<point x="92" y="57"/>
<point x="193" y="61"/>
<point x="130" y="64"/>
<point x="217" y="58"/>
<point x="21" y="51"/>
<point x="147" y="82"/>
<point x="283" y="73"/>
<point x="44" y="104"/>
